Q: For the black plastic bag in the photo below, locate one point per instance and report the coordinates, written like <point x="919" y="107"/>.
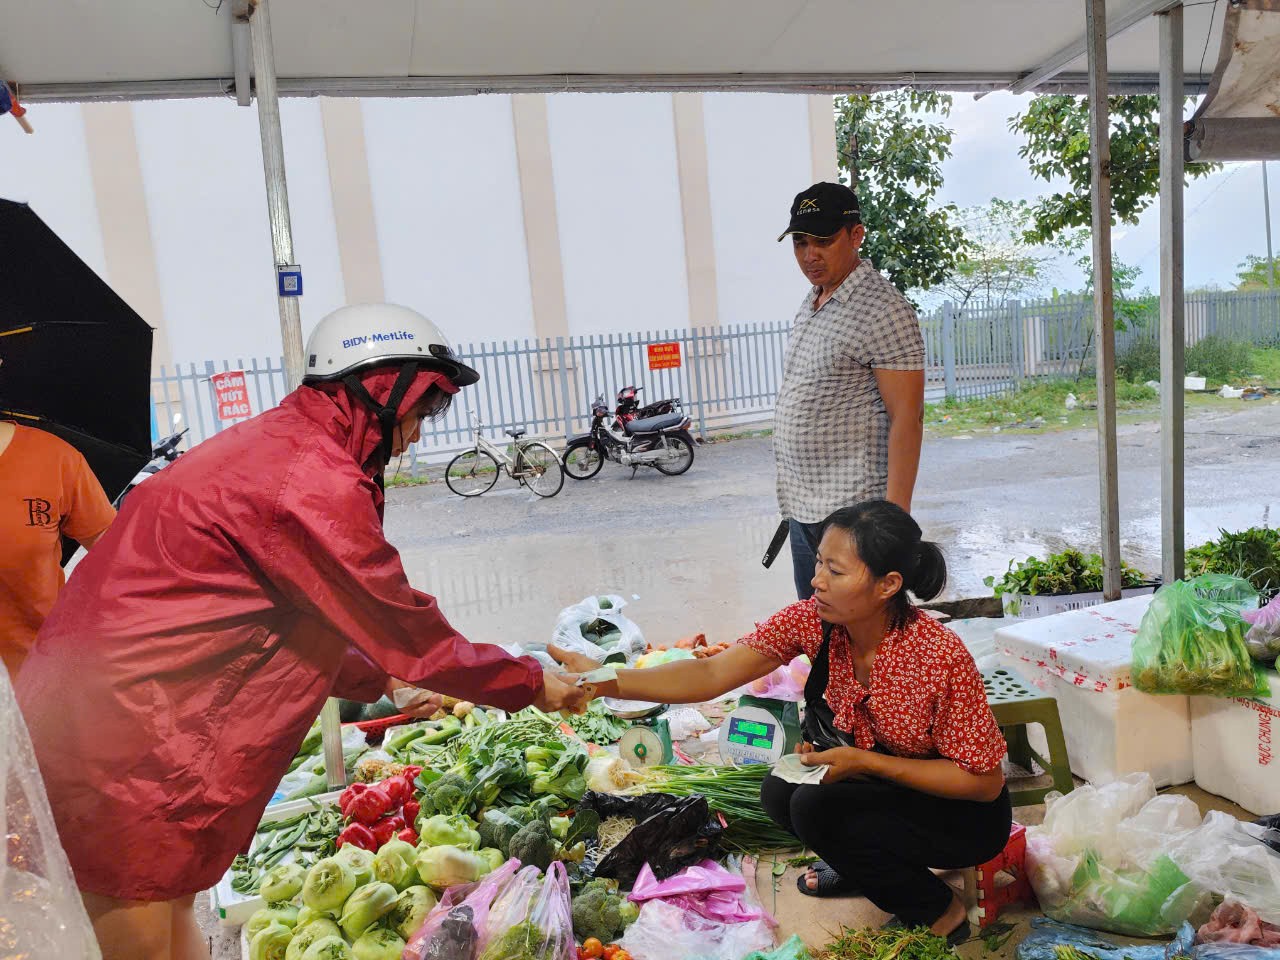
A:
<point x="1272" y="837"/>
<point x="671" y="833"/>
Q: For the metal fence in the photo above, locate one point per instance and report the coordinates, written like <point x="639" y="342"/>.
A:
<point x="729" y="376"/>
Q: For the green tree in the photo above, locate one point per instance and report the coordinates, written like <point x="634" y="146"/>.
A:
<point x="1255" y="273"/>
<point x="999" y="263"/>
<point x="891" y="152"/>
<point x="1056" y="128"/>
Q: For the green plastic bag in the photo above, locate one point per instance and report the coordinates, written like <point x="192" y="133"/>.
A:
<point x="1191" y="641"/>
<point x="1128" y="900"/>
<point x="793" y="949"/>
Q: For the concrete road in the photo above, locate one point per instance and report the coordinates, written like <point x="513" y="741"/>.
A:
<point x="689" y="547"/>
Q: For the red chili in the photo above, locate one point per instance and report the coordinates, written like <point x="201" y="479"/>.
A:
<point x="369" y="807"/>
<point x="348" y="796"/>
<point x="398" y="789"/>
<point x="359" y="835"/>
<point x="408" y="835"/>
<point x="410" y="811"/>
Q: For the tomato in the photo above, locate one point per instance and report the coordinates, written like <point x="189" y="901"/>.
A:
<point x="611" y="951"/>
<point x="592" y="949"/>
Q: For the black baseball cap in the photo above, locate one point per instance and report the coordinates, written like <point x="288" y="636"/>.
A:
<point x="822" y="210"/>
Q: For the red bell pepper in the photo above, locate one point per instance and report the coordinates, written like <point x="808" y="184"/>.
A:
<point x="348" y="796"/>
<point x="411" y="773"/>
<point x="398" y="789"/>
<point x="410" y="811"/>
<point x="359" y="835"/>
<point x="387" y="827"/>
<point x="370" y="806"/>
<point x="409" y="836"/>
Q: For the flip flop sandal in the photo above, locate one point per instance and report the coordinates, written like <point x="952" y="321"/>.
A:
<point x="830" y="883"/>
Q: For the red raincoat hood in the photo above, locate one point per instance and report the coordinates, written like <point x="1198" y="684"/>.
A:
<point x="352" y="424"/>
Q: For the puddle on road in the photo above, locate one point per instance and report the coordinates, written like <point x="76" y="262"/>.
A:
<point x="703" y="579"/>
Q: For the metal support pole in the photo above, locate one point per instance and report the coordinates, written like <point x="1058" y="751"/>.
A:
<point x="1103" y="295"/>
<point x="949" y="349"/>
<point x="1172" y="303"/>
<point x="1266" y="211"/>
<point x="277" y="190"/>
<point x="264" y="69"/>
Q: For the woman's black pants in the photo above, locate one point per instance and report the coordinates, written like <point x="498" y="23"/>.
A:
<point x="883" y="838"/>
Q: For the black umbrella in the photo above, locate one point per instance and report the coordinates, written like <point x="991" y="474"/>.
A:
<point x="75" y="359"/>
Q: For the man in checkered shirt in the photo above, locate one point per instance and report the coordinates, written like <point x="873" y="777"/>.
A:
<point x="850" y="412"/>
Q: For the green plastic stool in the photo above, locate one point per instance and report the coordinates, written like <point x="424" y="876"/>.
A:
<point x="1015" y="704"/>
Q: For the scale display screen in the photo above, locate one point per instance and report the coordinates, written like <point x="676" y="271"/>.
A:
<point x="751" y="733"/>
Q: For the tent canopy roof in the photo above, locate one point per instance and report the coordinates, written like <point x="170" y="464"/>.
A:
<point x="79" y="49"/>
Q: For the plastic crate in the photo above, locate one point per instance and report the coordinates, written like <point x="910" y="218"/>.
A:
<point x="1031" y="606"/>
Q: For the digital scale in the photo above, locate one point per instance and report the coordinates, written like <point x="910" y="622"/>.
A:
<point x="646" y="743"/>
<point x="760" y="731"/>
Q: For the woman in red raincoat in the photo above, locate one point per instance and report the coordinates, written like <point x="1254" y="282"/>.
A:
<point x="238" y="589"/>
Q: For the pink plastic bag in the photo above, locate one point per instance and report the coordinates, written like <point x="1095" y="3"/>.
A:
<point x="511" y="906"/>
<point x="452" y="930"/>
<point x="1263" y="638"/>
<point x="707" y="889"/>
<point x="785" y="683"/>
<point x="546" y="928"/>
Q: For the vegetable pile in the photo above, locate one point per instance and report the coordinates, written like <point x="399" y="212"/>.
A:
<point x="1059" y="574"/>
<point x="1192" y="642"/>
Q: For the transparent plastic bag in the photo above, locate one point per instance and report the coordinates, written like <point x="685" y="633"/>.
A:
<point x="1222" y="857"/>
<point x="452" y="930"/>
<point x="596" y="627"/>
<point x="785" y="683"/>
<point x="1263" y="638"/>
<point x="41" y="913"/>
<point x="666" y="932"/>
<point x="511" y="906"/>
<point x="546" y="931"/>
<point x="1189" y="644"/>
<point x="1101" y="859"/>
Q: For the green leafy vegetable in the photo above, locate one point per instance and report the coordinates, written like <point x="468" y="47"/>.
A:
<point x="1058" y="575"/>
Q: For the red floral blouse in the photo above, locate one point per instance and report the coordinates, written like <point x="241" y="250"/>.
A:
<point x="926" y="697"/>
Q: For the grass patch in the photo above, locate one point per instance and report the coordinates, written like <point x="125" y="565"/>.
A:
<point x="1037" y="404"/>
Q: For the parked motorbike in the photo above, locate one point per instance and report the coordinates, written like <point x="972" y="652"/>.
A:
<point x="163" y="453"/>
<point x="655" y="436"/>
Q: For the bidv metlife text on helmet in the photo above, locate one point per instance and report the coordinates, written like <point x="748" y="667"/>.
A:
<point x="377" y="338"/>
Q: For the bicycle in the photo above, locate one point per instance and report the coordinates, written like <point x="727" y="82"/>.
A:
<point x="475" y="471"/>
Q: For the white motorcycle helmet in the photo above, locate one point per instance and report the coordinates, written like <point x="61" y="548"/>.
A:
<point x="365" y="335"/>
<point x="360" y="337"/>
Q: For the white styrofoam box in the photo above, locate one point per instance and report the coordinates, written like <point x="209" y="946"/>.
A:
<point x="1236" y="744"/>
<point x="234" y="908"/>
<point x="1081" y="658"/>
<point x="1034" y="605"/>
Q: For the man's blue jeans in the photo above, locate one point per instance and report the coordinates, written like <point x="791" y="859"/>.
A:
<point x="804" y="555"/>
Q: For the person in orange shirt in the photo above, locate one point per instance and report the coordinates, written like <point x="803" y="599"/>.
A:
<point x="46" y="490"/>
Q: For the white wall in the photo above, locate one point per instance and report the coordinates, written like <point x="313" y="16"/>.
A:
<point x="758" y="160"/>
<point x="206" y="197"/>
<point x="446" y="197"/>
<point x="50" y="171"/>
<point x="618" y="208"/>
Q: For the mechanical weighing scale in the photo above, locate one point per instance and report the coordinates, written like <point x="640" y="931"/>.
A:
<point x="760" y="731"/>
<point x="647" y="742"/>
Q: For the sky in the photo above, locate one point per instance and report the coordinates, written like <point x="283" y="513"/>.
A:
<point x="1224" y="211"/>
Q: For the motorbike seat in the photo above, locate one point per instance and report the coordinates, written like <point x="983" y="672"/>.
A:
<point x="654" y="424"/>
<point x="517" y="432"/>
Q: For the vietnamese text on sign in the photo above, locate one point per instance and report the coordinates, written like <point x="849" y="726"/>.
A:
<point x="232" y="395"/>
<point x="664" y="356"/>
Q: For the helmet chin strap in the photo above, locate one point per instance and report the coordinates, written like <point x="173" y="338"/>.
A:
<point x="386" y="413"/>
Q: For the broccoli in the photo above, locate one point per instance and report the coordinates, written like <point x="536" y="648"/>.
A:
<point x="521" y="815"/>
<point x="533" y="844"/>
<point x="496" y="830"/>
<point x="599" y="911"/>
<point x="446" y="795"/>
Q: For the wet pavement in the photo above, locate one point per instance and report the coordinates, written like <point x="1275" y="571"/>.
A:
<point x="689" y="547"/>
